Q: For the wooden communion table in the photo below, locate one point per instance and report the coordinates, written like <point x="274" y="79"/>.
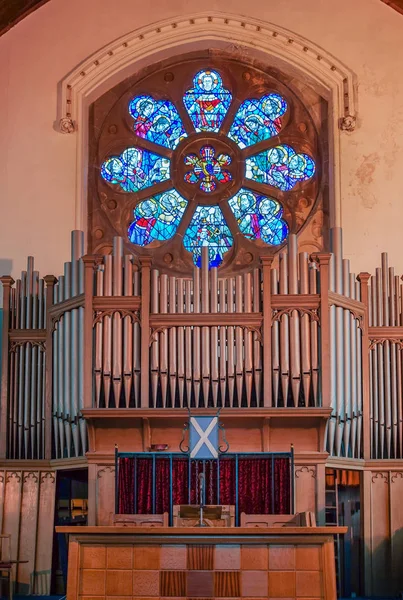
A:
<point x="109" y="563"/>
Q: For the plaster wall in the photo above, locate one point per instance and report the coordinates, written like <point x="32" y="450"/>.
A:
<point x="37" y="163"/>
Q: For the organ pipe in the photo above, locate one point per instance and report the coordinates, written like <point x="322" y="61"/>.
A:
<point x="212" y="359"/>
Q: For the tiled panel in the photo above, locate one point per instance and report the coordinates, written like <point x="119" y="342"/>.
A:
<point x="119" y="557"/>
<point x="254" y="557"/>
<point x="92" y="582"/>
<point x="200" y="557"/>
<point x="146" y="583"/>
<point x="146" y="557"/>
<point x="93" y="557"/>
<point x="200" y="584"/>
<point x="227" y="584"/>
<point x="281" y="558"/>
<point x="91" y="597"/>
<point x="173" y="557"/>
<point x="254" y="583"/>
<point x="308" y="584"/>
<point x="282" y="584"/>
<point x="173" y="583"/>
<point x="227" y="557"/>
<point x="119" y="582"/>
<point x="308" y="558"/>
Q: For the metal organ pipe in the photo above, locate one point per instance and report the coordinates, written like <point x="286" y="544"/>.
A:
<point x="257" y="347"/>
<point x="117" y="321"/>
<point x="305" y="344"/>
<point x="294" y="319"/>
<point x="284" y="332"/>
<point x="207" y="365"/>
<point x="214" y="348"/>
<point x="275" y="343"/>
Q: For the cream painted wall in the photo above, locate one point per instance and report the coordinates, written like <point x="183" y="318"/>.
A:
<point x="37" y="163"/>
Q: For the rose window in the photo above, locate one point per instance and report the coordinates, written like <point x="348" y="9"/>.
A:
<point x="211" y="167"/>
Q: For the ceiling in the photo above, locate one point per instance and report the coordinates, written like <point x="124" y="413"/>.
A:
<point x="13" y="11"/>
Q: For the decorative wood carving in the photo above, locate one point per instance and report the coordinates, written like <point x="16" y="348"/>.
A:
<point x="31" y="475"/>
<point x="106" y="469"/>
<point x="305" y="469"/>
<point x="48" y="475"/>
<point x="13" y="475"/>
<point x="382" y="476"/>
<point x="396" y="475"/>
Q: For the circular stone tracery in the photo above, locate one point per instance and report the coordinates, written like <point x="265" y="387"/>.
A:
<point x="207" y="168"/>
<point x="222" y="167"/>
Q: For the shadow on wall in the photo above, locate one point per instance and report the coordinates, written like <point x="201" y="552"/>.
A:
<point x="387" y="574"/>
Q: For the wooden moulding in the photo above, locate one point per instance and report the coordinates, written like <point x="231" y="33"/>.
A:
<point x="387" y="333"/>
<point x="50" y="282"/>
<point x="295" y="301"/>
<point x="56" y="310"/>
<point x="354" y="306"/>
<point x="7" y="282"/>
<point x="206" y="319"/>
<point x="323" y="260"/>
<point x="261" y="535"/>
<point x="364" y="278"/>
<point x="27" y="335"/>
<point x="174" y="413"/>
<point x="116" y="302"/>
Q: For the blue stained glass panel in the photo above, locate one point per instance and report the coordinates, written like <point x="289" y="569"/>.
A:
<point x="208" y="228"/>
<point x="207" y="102"/>
<point x="280" y="167"/>
<point x="135" y="169"/>
<point x="259" y="217"/>
<point x="157" y="218"/>
<point x="157" y="121"/>
<point x="257" y="120"/>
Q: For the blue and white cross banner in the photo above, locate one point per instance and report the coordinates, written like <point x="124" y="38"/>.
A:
<point x="203" y="437"/>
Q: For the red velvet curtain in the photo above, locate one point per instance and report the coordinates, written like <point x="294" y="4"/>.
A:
<point x="282" y="486"/>
<point x="126" y="486"/>
<point x="255" y="485"/>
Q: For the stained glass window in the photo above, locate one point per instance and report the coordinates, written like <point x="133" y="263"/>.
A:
<point x="135" y="169"/>
<point x="157" y="121"/>
<point x="209" y="171"/>
<point x="259" y="217"/>
<point x="207" y="102"/>
<point x="280" y="167"/>
<point x="208" y="228"/>
<point x="257" y="120"/>
<point x="157" y="218"/>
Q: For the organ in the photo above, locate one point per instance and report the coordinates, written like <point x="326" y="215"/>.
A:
<point x="298" y="350"/>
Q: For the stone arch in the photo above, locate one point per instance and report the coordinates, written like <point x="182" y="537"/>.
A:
<point x="289" y="51"/>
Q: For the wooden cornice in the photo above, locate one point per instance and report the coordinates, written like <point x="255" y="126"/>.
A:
<point x="116" y="303"/>
<point x="388" y="332"/>
<point x="182" y="413"/>
<point x="27" y="335"/>
<point x="162" y="320"/>
<point x="57" y="310"/>
<point x="308" y="301"/>
<point x="354" y="306"/>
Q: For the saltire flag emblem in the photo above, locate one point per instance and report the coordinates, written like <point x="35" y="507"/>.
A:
<point x="203" y="437"/>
